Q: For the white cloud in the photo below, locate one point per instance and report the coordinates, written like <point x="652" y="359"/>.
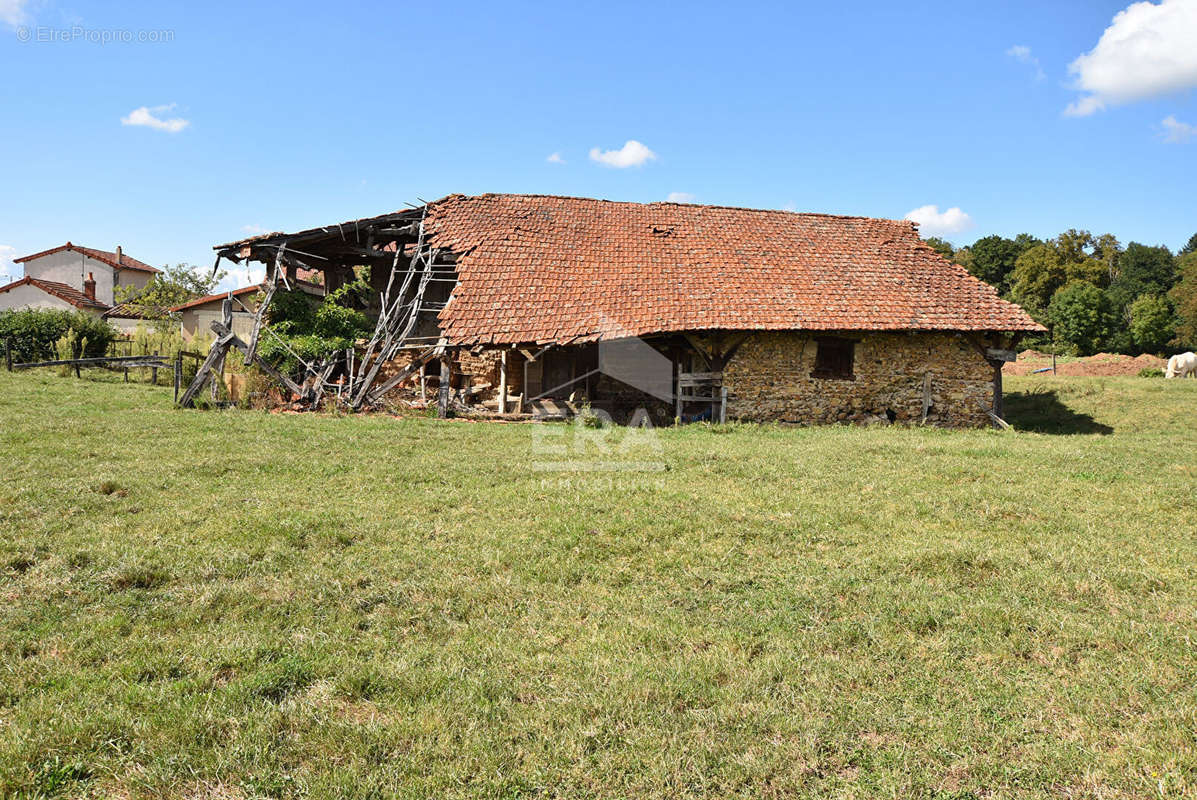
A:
<point x="9" y="271"/>
<point x="254" y="230"/>
<point x="1148" y="50"/>
<point x="1023" y="55"/>
<point x="1176" y="131"/>
<point x="555" y="158"/>
<point x="148" y="117"/>
<point x="632" y="154"/>
<point x="680" y="197"/>
<point x="932" y="221"/>
<point x="13" y="13"/>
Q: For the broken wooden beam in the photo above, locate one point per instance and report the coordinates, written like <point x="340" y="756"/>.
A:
<point x="219" y="348"/>
<point x="445" y="391"/>
<point x="402" y="375"/>
<point x="235" y="341"/>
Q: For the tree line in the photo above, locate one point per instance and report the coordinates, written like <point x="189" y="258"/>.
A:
<point x="1090" y="291"/>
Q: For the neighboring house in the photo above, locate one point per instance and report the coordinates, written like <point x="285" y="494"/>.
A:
<point x="126" y="317"/>
<point x="74" y="277"/>
<point x="31" y="292"/>
<point x="196" y="316"/>
<point x="798" y="317"/>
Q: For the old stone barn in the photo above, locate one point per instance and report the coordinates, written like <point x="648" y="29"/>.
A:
<point x="544" y="305"/>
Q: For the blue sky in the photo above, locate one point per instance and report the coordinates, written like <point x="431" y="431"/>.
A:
<point x="292" y="115"/>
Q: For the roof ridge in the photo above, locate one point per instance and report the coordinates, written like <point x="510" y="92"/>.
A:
<point x="105" y="256"/>
<point x="63" y="291"/>
<point x="532" y="196"/>
<point x="208" y="298"/>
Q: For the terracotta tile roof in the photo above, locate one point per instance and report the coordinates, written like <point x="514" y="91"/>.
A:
<point x="208" y="298"/>
<point x="128" y="310"/>
<point x="60" y="290"/>
<point x="556" y="269"/>
<point x="126" y="261"/>
<point x="307" y="286"/>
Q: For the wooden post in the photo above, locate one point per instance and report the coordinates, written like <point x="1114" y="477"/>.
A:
<point x="219" y="348"/>
<point x="722" y="404"/>
<point x="442" y="404"/>
<point x="423" y="384"/>
<point x="154" y="371"/>
<point x="926" y="397"/>
<point x="998" y="403"/>
<point x="178" y="374"/>
<point x="217" y="378"/>
<point x="8" y="353"/>
<point x="503" y="381"/>
<point x="677" y="384"/>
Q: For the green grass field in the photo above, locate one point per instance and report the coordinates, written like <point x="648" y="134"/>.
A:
<point x="239" y="604"/>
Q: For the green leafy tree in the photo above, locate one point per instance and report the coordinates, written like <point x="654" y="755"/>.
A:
<point x="1074" y="245"/>
<point x="1142" y="270"/>
<point x="1184" y="298"/>
<point x="1190" y="246"/>
<point x="1108" y="251"/>
<point x="313" y="327"/>
<point x="1087" y="257"/>
<point x="1042" y="270"/>
<point x="1152" y="323"/>
<point x="1038" y="273"/>
<point x="1081" y="316"/>
<point x="994" y="257"/>
<point x="173" y="286"/>
<point x="944" y="248"/>
<point x="964" y="257"/>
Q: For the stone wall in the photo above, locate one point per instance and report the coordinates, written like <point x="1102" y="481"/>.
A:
<point x="481" y="368"/>
<point x="770" y="379"/>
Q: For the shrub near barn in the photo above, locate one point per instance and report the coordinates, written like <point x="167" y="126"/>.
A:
<point x="35" y="333"/>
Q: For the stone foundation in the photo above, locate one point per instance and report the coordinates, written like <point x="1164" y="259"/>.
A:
<point x="770" y="379"/>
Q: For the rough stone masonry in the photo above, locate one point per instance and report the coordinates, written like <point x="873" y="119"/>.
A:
<point x="770" y="379"/>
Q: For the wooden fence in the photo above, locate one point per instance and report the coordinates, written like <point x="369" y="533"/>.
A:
<point x="152" y="362"/>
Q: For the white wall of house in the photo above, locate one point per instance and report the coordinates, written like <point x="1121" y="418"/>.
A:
<point x="71" y="268"/>
<point x="199" y="320"/>
<point x="29" y="296"/>
<point x="137" y="278"/>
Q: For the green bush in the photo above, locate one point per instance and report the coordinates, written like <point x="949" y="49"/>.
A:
<point x="36" y="332"/>
<point x="1151" y="372"/>
<point x="1082" y="316"/>
<point x="1152" y="322"/>
<point x="313" y="328"/>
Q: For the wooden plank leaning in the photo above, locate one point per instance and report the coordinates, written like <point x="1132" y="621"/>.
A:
<point x="235" y="341"/>
<point x="219" y="348"/>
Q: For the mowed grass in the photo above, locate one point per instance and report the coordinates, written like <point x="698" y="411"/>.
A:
<point x="239" y="604"/>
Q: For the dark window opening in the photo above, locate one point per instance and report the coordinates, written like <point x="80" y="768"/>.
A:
<point x="833" y="359"/>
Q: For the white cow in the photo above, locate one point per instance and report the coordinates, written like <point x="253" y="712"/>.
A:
<point x="1182" y="366"/>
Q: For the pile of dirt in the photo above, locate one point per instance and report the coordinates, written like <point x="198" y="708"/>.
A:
<point x="1101" y="364"/>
